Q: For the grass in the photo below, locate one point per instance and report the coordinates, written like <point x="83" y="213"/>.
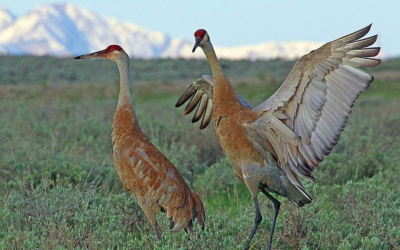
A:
<point x="60" y="189"/>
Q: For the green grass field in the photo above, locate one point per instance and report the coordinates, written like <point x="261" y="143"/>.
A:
<point x="59" y="188"/>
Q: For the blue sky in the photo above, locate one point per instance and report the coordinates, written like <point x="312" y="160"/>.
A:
<point x="233" y="23"/>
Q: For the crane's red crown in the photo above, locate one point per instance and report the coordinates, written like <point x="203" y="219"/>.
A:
<point x="200" y="33"/>
<point x="112" y="48"/>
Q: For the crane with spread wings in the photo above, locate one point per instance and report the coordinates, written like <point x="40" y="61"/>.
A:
<point x="287" y="136"/>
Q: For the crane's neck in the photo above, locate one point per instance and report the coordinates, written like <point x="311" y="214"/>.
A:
<point x="125" y="123"/>
<point x="224" y="96"/>
<point x="125" y="104"/>
<point x="124" y="97"/>
<point x="213" y="60"/>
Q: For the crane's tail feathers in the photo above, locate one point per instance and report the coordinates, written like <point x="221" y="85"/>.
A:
<point x="305" y="199"/>
<point x="199" y="211"/>
<point x="183" y="217"/>
<point x="299" y="196"/>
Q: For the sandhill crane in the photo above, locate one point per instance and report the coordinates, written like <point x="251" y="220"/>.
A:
<point x="143" y="169"/>
<point x="289" y="134"/>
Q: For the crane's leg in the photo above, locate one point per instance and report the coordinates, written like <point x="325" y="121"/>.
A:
<point x="257" y="221"/>
<point x="171" y="223"/>
<point x="277" y="205"/>
<point x="158" y="231"/>
<point x="151" y="216"/>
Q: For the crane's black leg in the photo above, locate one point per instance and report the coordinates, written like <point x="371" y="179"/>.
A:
<point x="257" y="221"/>
<point x="277" y="205"/>
<point x="158" y="231"/>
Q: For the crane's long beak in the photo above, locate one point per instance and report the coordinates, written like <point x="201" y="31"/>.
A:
<point x="98" y="54"/>
<point x="197" y="44"/>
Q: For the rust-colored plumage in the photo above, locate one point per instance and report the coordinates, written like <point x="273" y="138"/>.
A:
<point x="288" y="135"/>
<point x="143" y="169"/>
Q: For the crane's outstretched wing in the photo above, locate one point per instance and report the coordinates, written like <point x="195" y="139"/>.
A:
<point x="303" y="120"/>
<point x="200" y="95"/>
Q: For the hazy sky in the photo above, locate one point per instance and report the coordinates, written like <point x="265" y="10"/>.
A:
<point x="239" y="22"/>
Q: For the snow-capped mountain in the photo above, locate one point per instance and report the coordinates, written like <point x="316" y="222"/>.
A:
<point x="6" y="18"/>
<point x="264" y="51"/>
<point x="66" y="30"/>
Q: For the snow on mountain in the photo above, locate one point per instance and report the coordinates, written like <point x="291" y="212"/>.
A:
<point x="269" y="50"/>
<point x="264" y="51"/>
<point x="6" y="18"/>
<point x="66" y="30"/>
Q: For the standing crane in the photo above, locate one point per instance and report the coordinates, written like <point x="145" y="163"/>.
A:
<point x="289" y="134"/>
<point x="143" y="169"/>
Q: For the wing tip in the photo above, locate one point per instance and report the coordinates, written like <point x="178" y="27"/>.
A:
<point x="196" y="118"/>
<point x="378" y="61"/>
<point x="373" y="62"/>
<point x="355" y="35"/>
<point x="374" y="38"/>
<point x="378" y="50"/>
<point x="367" y="28"/>
<point x="180" y="102"/>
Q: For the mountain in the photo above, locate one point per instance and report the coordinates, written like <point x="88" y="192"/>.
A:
<point x="66" y="30"/>
<point x="264" y="51"/>
<point x="6" y="18"/>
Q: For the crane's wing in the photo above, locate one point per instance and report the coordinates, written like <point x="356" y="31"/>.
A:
<point x="199" y="94"/>
<point x="303" y="120"/>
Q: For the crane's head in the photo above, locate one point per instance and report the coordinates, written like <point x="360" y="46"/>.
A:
<point x="201" y="37"/>
<point x="112" y="52"/>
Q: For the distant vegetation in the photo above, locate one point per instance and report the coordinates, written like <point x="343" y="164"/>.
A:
<point x="59" y="188"/>
<point x="50" y="70"/>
